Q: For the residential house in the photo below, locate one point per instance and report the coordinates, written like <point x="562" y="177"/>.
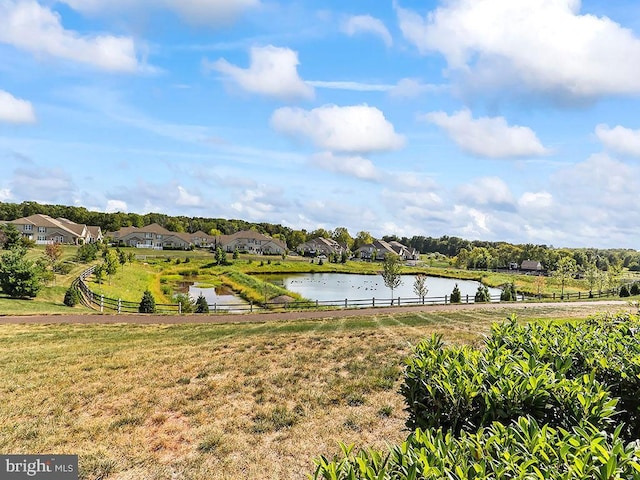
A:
<point x="250" y="241"/>
<point x="152" y="236"/>
<point x="406" y="253"/>
<point x="321" y="246"/>
<point x="531" y="266"/>
<point x="379" y="249"/>
<point x="201" y="239"/>
<point x="42" y="229"/>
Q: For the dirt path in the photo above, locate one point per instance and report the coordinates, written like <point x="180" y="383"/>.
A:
<point x="573" y="309"/>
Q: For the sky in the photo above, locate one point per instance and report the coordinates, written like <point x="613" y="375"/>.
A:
<point x="501" y="120"/>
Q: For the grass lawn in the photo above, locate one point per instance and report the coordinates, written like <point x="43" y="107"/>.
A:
<point x="216" y="401"/>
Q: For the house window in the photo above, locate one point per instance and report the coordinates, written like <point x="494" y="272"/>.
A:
<point x="148" y="235"/>
<point x="158" y="237"/>
<point x="42" y="229"/>
<point x="58" y="239"/>
<point x="28" y="228"/>
<point x="41" y="238"/>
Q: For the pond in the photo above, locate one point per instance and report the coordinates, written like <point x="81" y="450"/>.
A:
<point x="329" y="287"/>
<point x="219" y="298"/>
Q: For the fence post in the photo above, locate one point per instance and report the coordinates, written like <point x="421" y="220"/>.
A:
<point x="467" y="298"/>
<point x="554" y="295"/>
<point x="398" y="301"/>
<point x="373" y="302"/>
<point x="179" y="308"/>
<point x="119" y="305"/>
<point x="101" y="303"/>
<point x="316" y="303"/>
<point x="445" y="299"/>
<point x="579" y="296"/>
<point x="345" y="303"/>
<point x="522" y="296"/>
<point x="215" y="308"/>
<point x="251" y="306"/>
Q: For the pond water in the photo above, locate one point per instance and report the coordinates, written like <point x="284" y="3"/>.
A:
<point x="219" y="298"/>
<point x="338" y="286"/>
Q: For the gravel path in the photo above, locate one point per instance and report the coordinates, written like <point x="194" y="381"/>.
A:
<point x="573" y="309"/>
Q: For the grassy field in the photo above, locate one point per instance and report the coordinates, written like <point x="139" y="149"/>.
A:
<point x="216" y="401"/>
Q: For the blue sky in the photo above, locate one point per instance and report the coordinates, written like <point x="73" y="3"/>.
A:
<point x="485" y="119"/>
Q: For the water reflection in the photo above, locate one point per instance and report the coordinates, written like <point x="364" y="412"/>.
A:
<point x="338" y="286"/>
<point x="219" y="298"/>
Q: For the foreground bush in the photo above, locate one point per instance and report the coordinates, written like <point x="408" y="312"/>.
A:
<point x="540" y="401"/>
<point x="523" y="450"/>
<point x="460" y="388"/>
<point x="607" y="347"/>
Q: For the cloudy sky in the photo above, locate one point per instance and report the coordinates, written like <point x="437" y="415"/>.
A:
<point x="485" y="119"/>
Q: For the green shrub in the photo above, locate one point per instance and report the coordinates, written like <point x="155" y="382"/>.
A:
<point x="605" y="347"/>
<point x="635" y="289"/>
<point x="509" y="293"/>
<point x="186" y="303"/>
<point x="71" y="297"/>
<point x="624" y="291"/>
<point x="148" y="303"/>
<point x="482" y="295"/>
<point x="455" y="295"/>
<point x="460" y="388"/>
<point x="201" y="304"/>
<point x="524" y="450"/>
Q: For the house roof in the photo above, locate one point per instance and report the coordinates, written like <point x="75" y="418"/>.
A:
<point x="250" y="235"/>
<point x="530" y="265"/>
<point x="153" y="228"/>
<point x="40" y="220"/>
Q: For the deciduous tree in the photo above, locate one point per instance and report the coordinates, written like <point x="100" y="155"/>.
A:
<point x="391" y="272"/>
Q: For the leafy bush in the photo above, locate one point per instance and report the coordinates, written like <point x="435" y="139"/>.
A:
<point x="509" y="293"/>
<point x="605" y="347"/>
<point x="19" y="277"/>
<point x="624" y="291"/>
<point x="524" y="450"/>
<point x="87" y="252"/>
<point x="460" y="388"/>
<point x="635" y="289"/>
<point x="186" y="303"/>
<point x="455" y="295"/>
<point x="71" y="297"/>
<point x="148" y="303"/>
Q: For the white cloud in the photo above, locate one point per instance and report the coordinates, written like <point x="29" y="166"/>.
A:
<point x="187" y="199"/>
<point x="5" y="194"/>
<point x="542" y="45"/>
<point x="406" y="87"/>
<point x="488" y="137"/>
<point x="535" y="200"/>
<point x="491" y="191"/>
<point x="355" y="129"/>
<point x="620" y="139"/>
<point x="367" y="24"/>
<point x="208" y="12"/>
<point x="15" y="110"/>
<point x="355" y="166"/>
<point x="272" y="72"/>
<point x="116" y="206"/>
<point x="27" y="25"/>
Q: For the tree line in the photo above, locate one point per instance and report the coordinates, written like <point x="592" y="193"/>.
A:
<point x="466" y="253"/>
